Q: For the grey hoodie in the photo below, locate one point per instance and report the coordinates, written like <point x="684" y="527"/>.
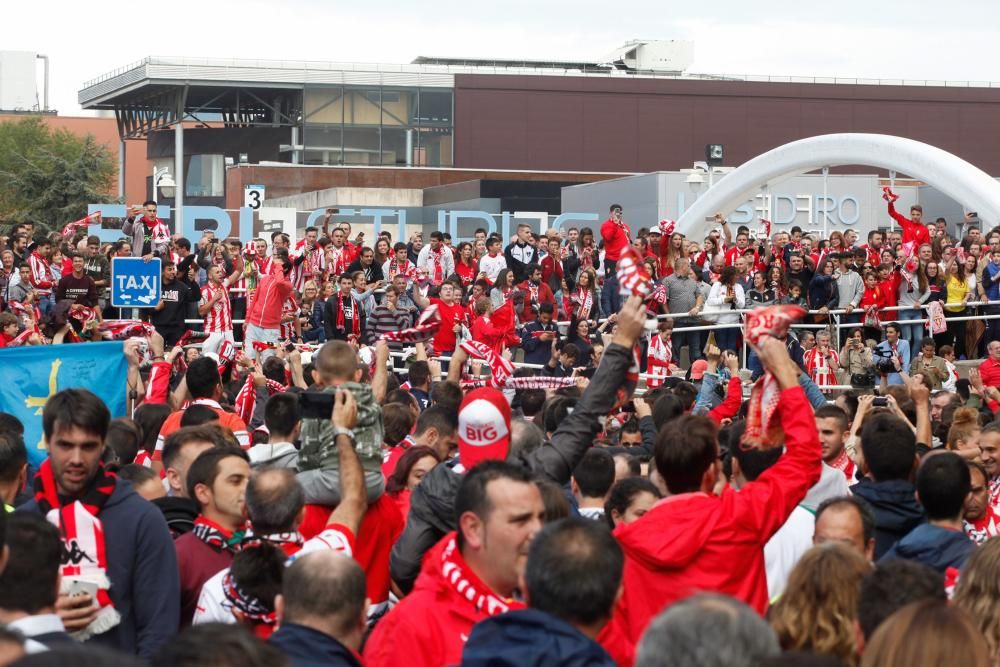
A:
<point x="850" y="288"/>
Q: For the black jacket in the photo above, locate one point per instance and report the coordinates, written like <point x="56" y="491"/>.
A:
<point x="180" y="514"/>
<point x="306" y="647"/>
<point x="432" y="503"/>
<point x="175" y="297"/>
<point x="896" y="509"/>
<point x="531" y="638"/>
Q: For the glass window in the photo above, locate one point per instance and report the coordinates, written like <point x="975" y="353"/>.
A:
<point x="205" y="176"/>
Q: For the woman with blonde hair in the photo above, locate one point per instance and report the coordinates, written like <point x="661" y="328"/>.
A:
<point x="929" y="632"/>
<point x="818" y="609"/>
<point x="963" y="436"/>
<point x="978" y="594"/>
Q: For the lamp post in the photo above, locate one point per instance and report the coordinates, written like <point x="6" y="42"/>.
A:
<point x="163" y="180"/>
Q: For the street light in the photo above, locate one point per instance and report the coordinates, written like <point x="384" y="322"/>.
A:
<point x="162" y="180"/>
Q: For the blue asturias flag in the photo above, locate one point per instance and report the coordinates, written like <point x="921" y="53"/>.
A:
<point x="30" y="375"/>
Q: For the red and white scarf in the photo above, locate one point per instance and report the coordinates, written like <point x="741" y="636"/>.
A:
<point x="122" y="329"/>
<point x="583" y="299"/>
<point x="501" y="368"/>
<point x="539" y="382"/>
<point x="844" y="464"/>
<point x="355" y="334"/>
<point x="633" y="278"/>
<point x="437" y="257"/>
<point x="246" y="400"/>
<point x="407" y="268"/>
<point x="658" y="361"/>
<point x="467" y="585"/>
<point x="986" y="527"/>
<point x="761" y="430"/>
<point x="425" y="328"/>
<point x="84" y="552"/>
<point x="82" y="223"/>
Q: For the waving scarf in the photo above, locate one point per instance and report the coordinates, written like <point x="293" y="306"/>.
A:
<point x="84" y="552"/>
<point x="762" y="430"/>
<point x="424" y="330"/>
<point x="584" y="301"/>
<point x="407" y="268"/>
<point x="501" y="368"/>
<point x="70" y="229"/>
<point x="122" y="329"/>
<point x="633" y="278"/>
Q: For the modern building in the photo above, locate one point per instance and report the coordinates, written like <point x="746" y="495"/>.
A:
<point x="446" y="120"/>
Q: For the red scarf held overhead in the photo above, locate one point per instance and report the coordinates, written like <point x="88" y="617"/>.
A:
<point x="468" y="586"/>
<point x="84" y="552"/>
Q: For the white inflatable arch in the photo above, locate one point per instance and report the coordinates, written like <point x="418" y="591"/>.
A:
<point x="964" y="183"/>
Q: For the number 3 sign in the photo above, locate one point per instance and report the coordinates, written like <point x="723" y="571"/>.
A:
<point x="253" y="197"/>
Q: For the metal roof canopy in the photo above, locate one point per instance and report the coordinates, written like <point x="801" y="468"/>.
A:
<point x="156" y="93"/>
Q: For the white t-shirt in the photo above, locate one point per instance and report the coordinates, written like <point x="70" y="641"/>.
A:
<point x="786" y="547"/>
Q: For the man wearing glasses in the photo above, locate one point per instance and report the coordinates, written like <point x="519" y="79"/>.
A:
<point x="149" y="235"/>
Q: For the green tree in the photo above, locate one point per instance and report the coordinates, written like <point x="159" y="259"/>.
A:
<point x="49" y="176"/>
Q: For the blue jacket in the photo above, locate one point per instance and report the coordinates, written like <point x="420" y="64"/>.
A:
<point x="306" y="647"/>
<point x="896" y="509"/>
<point x="536" y="351"/>
<point x="934" y="546"/>
<point x="142" y="567"/>
<point x="531" y="638"/>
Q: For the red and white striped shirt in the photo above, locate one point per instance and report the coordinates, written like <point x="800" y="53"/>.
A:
<point x="220" y="318"/>
<point x="314" y="261"/>
<point x="821" y="369"/>
<point x="290" y="307"/>
<point x="658" y="361"/>
<point x="340" y="259"/>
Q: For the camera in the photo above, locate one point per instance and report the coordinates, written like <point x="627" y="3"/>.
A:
<point x="880" y="402"/>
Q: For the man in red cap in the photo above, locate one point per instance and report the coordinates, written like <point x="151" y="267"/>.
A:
<point x="471" y="574"/>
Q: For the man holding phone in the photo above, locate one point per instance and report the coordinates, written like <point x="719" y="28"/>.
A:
<point x="263" y="321"/>
<point x="115" y="543"/>
<point x="149" y="236"/>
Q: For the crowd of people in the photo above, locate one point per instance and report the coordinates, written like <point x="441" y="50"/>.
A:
<point x="544" y="450"/>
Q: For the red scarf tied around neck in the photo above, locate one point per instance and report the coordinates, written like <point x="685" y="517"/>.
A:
<point x="84" y="555"/>
<point x="465" y="582"/>
<point x="355" y="334"/>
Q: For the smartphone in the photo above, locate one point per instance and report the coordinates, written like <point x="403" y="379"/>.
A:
<point x="75" y="587"/>
<point x="317" y="405"/>
<point x="973" y="214"/>
<point x="880" y="402"/>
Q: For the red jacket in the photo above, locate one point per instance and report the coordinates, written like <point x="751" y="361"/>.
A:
<point x="912" y="231"/>
<point x="268" y="299"/>
<point x="695" y="542"/>
<point x="430" y="626"/>
<point x="616" y="237"/>
<point x="542" y="294"/>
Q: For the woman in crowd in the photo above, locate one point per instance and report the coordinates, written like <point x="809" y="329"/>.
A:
<point x="823" y="294"/>
<point x="670" y="252"/>
<point x="383" y="251"/>
<point x="466" y="266"/>
<point x="503" y="288"/>
<point x="629" y="499"/>
<point x="761" y="294"/>
<point x="957" y="293"/>
<point x="579" y="335"/>
<point x="311" y="314"/>
<point x="819" y="607"/>
<point x="411" y="468"/>
<point x="871" y="305"/>
<point x="725" y="298"/>
<point x="586" y="252"/>
<point x="963" y="436"/>
<point x="912" y="295"/>
<point x="931" y="632"/>
<point x="856" y="359"/>
<point x="977" y="594"/>
<point x="584" y="302"/>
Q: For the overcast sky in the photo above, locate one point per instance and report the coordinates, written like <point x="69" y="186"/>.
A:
<point x="916" y="39"/>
